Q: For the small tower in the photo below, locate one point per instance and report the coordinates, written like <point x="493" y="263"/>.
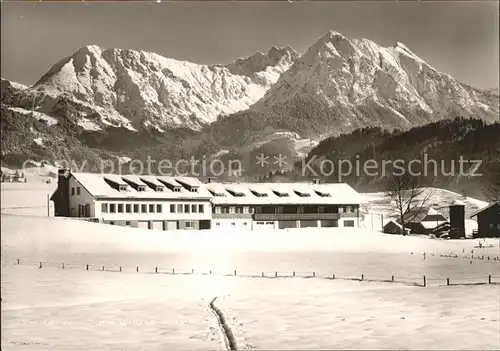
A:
<point x="457" y="220"/>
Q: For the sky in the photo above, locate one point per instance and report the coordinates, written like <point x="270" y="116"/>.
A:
<point x="458" y="38"/>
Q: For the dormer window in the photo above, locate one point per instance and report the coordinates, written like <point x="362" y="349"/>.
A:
<point x="215" y="193"/>
<point x="193" y="190"/>
<point x="280" y="194"/>
<point x="256" y="193"/>
<point x="123" y="188"/>
<point x="159" y="188"/>
<point x="322" y="194"/>
<point x="235" y="193"/>
<point x="177" y="189"/>
<point x="141" y="188"/>
<point x="301" y="194"/>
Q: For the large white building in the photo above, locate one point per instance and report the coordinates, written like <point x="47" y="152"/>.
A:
<point x="170" y="203"/>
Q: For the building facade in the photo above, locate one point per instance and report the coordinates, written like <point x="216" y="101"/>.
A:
<point x="171" y="203"/>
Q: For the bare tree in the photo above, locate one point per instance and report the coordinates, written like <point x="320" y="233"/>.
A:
<point x="409" y="196"/>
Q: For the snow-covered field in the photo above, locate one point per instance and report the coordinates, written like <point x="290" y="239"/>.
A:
<point x="69" y="309"/>
<point x="52" y="308"/>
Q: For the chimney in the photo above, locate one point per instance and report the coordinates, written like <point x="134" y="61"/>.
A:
<point x="457" y="220"/>
<point x="316" y="181"/>
<point x="211" y="180"/>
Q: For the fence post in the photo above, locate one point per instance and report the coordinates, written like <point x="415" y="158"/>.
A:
<point x="103" y="268"/>
<point x="41" y="265"/>
<point x="262" y="274"/>
<point x="333" y="276"/>
<point x="63" y="265"/>
<point x="137" y="269"/>
<point x="120" y="268"/>
<point x="447" y="281"/>
<point x="235" y="272"/>
<point x="173" y="271"/>
<point x="156" y="269"/>
<point x="18" y="261"/>
<point x="294" y="273"/>
<point x="87" y="268"/>
<point x="489" y="279"/>
<point x="210" y="271"/>
<point x="425" y="283"/>
<point x="276" y="274"/>
<point x="392" y="279"/>
<point x="192" y="270"/>
<point x="362" y="276"/>
<point x="314" y="274"/>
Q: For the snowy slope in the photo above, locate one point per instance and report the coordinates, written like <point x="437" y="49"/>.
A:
<point x="146" y="87"/>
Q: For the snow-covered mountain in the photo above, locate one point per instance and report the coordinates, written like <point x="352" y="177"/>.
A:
<point x="150" y="90"/>
<point x="279" y="100"/>
<point x="355" y="83"/>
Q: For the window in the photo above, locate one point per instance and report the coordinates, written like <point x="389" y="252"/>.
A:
<point x="179" y="208"/>
<point x="189" y="224"/>
<point x="177" y="189"/>
<point x="348" y="209"/>
<point x="217" y="224"/>
<point x="112" y="208"/>
<point x="151" y="208"/>
<point x="123" y="188"/>
<point x="217" y="209"/>
<point x="159" y="208"/>
<point x="112" y="223"/>
<point x="128" y="208"/>
<point x="127" y="223"/>
<point x="72" y="191"/>
<point x="136" y="208"/>
<point x="341" y="209"/>
<point x="300" y="209"/>
<point x="172" y="208"/>
<point x="78" y="191"/>
<point x="141" y="188"/>
<point x="194" y="209"/>
<point x="244" y="223"/>
<point x="246" y="209"/>
<point x="321" y="209"/>
<point x="232" y="209"/>
<point x="186" y="209"/>
<point x="104" y="208"/>
<point x="232" y="223"/>
<point x="224" y="209"/>
<point x="200" y="208"/>
<point x="348" y="223"/>
<point x="120" y="208"/>
<point x="193" y="190"/>
<point x="159" y="188"/>
<point x="144" y="208"/>
<point x="239" y="209"/>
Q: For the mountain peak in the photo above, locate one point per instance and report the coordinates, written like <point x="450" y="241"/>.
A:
<point x="265" y="67"/>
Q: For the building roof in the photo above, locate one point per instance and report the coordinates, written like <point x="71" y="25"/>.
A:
<point x="485" y="208"/>
<point x="423" y="214"/>
<point x="97" y="186"/>
<point x="283" y="193"/>
<point x="221" y="193"/>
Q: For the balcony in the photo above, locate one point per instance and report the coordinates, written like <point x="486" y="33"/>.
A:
<point x="294" y="216"/>
<point x="231" y="215"/>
